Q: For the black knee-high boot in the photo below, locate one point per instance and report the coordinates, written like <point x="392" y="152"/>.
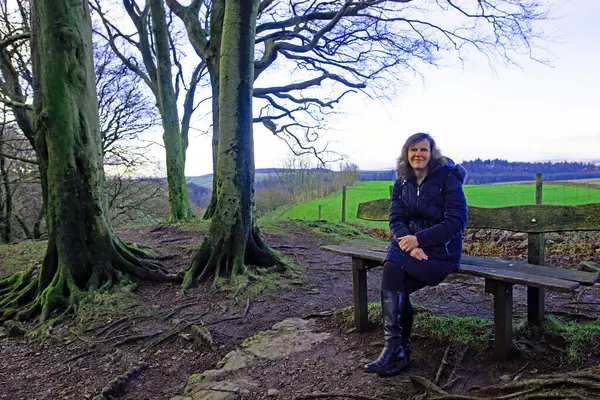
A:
<point x="406" y="322"/>
<point x="392" y="358"/>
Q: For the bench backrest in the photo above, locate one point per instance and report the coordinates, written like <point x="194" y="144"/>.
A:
<point x="535" y="218"/>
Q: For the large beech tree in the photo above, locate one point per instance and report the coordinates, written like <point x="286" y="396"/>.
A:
<point x="233" y="240"/>
<point x="340" y="45"/>
<point x="83" y="253"/>
<point x="150" y="52"/>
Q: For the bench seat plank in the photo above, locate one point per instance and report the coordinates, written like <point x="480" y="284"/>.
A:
<point x="367" y="254"/>
<point x="518" y="277"/>
<point x="500" y="272"/>
<point x="584" y="278"/>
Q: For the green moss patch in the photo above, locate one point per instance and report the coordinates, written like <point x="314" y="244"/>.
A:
<point x="193" y="225"/>
<point x="264" y="281"/>
<point x="329" y="232"/>
<point x="474" y="332"/>
<point x="20" y="256"/>
<point x="576" y="340"/>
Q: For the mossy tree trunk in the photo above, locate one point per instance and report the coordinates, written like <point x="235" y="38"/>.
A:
<point x="233" y="240"/>
<point x="83" y="253"/>
<point x="175" y="157"/>
<point x="6" y="206"/>
<point x="214" y="85"/>
<point x="213" y="57"/>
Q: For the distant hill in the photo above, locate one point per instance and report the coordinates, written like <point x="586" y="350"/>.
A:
<point x="200" y="187"/>
<point x="260" y="175"/>
<point x="479" y="172"/>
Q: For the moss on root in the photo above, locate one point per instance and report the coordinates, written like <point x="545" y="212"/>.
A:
<point x="16" y="257"/>
<point x="53" y="287"/>
<point x="226" y="257"/>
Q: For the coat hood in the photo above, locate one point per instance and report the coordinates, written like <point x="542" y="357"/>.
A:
<point x="457" y="170"/>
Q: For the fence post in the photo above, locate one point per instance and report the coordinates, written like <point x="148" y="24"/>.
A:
<point x="535" y="255"/>
<point x="320" y="214"/>
<point x="344" y="203"/>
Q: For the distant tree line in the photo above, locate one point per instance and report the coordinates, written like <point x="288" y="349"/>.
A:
<point x="497" y="170"/>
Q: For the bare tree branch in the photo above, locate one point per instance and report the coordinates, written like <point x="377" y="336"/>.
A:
<point x="306" y="84"/>
<point x="12" y="39"/>
<point x="149" y="79"/>
<point x="16" y="104"/>
<point x="25" y="160"/>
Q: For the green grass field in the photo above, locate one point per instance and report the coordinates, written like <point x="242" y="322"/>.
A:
<point x="477" y="195"/>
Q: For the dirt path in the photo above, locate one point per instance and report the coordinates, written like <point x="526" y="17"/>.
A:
<point x="78" y="364"/>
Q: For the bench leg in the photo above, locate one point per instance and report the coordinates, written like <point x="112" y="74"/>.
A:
<point x="359" y="277"/>
<point x="535" y="305"/>
<point x="503" y="301"/>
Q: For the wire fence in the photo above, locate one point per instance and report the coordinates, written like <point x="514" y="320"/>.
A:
<point x="330" y="208"/>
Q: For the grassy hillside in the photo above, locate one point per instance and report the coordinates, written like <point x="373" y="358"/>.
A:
<point x="477" y="195"/>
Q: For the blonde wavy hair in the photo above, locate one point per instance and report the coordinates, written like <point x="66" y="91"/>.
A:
<point x="404" y="169"/>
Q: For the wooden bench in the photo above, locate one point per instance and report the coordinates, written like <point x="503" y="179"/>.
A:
<point x="499" y="275"/>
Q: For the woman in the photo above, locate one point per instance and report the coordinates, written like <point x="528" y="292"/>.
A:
<point x="428" y="214"/>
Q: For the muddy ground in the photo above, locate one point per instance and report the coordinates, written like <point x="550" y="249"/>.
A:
<point x="77" y="360"/>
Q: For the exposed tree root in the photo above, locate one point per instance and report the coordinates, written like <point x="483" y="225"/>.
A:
<point x="453" y="378"/>
<point x="116" y="331"/>
<point x="247" y="309"/>
<point x="332" y="395"/>
<point x="228" y="256"/>
<point x="584" y="384"/>
<point x="204" y="334"/>
<point x="324" y="314"/>
<point x="108" y="328"/>
<point x="443" y="364"/>
<point x="173" y="332"/>
<point x="62" y="281"/>
<point x="134" y="338"/>
<point x="119" y="384"/>
<point x="80" y="355"/>
<point x="174" y="311"/>
<point x="157" y="228"/>
<point x="576" y="316"/>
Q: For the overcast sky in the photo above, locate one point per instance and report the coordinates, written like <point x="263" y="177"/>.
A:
<point x="532" y="113"/>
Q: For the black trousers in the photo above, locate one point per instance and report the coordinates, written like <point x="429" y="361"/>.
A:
<point x="396" y="279"/>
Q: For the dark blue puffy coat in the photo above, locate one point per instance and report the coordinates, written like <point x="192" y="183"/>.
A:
<point x="436" y="213"/>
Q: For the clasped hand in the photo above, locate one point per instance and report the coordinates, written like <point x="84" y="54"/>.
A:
<point x="410" y="245"/>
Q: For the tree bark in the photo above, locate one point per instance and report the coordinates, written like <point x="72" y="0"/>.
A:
<point x="8" y="204"/>
<point x="233" y="240"/>
<point x="178" y="196"/>
<point x="13" y="90"/>
<point x="214" y="85"/>
<point x="83" y="253"/>
<point x="213" y="59"/>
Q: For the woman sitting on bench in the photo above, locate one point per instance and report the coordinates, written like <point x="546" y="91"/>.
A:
<point x="428" y="214"/>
